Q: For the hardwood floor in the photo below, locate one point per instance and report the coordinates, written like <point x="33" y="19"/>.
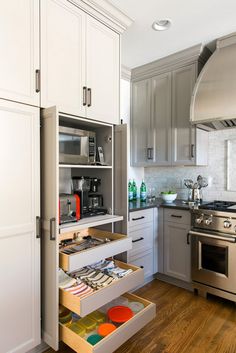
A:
<point x="185" y="323"/>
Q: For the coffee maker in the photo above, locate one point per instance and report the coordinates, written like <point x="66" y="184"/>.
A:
<point x="91" y="201"/>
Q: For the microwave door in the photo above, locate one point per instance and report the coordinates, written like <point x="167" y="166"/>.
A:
<point x="73" y="147"/>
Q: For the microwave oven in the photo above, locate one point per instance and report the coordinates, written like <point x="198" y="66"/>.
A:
<point x="76" y="146"/>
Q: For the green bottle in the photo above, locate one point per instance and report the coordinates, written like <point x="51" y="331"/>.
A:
<point x="130" y="191"/>
<point x="143" y="191"/>
<point x="134" y="190"/>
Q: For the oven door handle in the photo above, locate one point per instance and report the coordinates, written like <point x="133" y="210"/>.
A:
<point x="226" y="237"/>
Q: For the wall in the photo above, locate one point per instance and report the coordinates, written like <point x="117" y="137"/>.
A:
<point x="164" y="178"/>
<point x="133" y="173"/>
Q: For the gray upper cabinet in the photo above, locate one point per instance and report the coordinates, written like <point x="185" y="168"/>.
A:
<point x="160" y="129"/>
<point x="140" y="126"/>
<point x="161" y="134"/>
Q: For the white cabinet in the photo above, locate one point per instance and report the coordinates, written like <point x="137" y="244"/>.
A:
<point x="80" y="59"/>
<point x="19" y="245"/>
<point x="19" y="47"/>
<point x="62" y="56"/>
<point x="103" y="72"/>
<point x="177" y="262"/>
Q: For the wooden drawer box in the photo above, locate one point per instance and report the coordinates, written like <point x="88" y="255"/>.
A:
<point x="91" y="302"/>
<point x="138" y="218"/>
<point x="111" y="342"/>
<point x="119" y="244"/>
<point x="177" y="216"/>
<point x="142" y="239"/>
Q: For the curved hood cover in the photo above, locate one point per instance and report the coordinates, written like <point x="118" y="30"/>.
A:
<point x="214" y="97"/>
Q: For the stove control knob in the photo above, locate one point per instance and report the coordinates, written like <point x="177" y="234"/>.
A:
<point x="199" y="220"/>
<point x="227" y="223"/>
<point x="208" y="220"/>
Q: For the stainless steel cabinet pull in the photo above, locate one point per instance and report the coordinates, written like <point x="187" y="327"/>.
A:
<point x="137" y="219"/>
<point x="37" y="81"/>
<point x="136" y="240"/>
<point x="192" y="151"/>
<point x="176" y="216"/>
<point x="150" y="153"/>
<point x="84" y="95"/>
<point x="52" y="229"/>
<point x="38" y="227"/>
<point x="89" y="96"/>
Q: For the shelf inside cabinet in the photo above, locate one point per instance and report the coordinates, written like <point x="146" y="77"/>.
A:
<point x="77" y="166"/>
<point x="87" y="304"/>
<point x="114" y="340"/>
<point x="119" y="243"/>
<point x="89" y="222"/>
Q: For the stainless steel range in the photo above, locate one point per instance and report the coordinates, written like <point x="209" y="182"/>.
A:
<point x="213" y="249"/>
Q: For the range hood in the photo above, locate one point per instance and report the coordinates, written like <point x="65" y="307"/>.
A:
<point x="213" y="105"/>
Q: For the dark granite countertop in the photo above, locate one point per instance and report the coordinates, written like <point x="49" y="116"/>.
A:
<point x="138" y="205"/>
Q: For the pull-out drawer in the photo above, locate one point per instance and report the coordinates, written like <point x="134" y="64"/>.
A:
<point x="111" y="342"/>
<point x="177" y="216"/>
<point x="138" y="218"/>
<point x="118" y="244"/>
<point x="142" y="239"/>
<point x="145" y="261"/>
<point x="102" y="296"/>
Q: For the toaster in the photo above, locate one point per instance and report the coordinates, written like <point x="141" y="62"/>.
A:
<point x="69" y="208"/>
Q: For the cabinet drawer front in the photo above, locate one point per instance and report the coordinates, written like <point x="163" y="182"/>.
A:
<point x="111" y="342"/>
<point x="142" y="240"/>
<point x="177" y="216"/>
<point x="91" y="302"/>
<point x="119" y="244"/>
<point x="145" y="262"/>
<point x="140" y="217"/>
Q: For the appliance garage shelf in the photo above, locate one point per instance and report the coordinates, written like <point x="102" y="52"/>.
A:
<point x="85" y="305"/>
<point x="84" y="166"/>
<point x="89" y="222"/>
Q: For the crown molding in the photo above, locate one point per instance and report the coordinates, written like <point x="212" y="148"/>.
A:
<point x="172" y="62"/>
<point x="125" y="73"/>
<point x="105" y="12"/>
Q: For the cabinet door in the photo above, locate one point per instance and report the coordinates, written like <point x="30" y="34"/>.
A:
<point x="62" y="56"/>
<point x="103" y="72"/>
<point x="19" y="247"/>
<point x="140" y="122"/>
<point x="176" y="251"/>
<point x="160" y="129"/>
<point x="183" y="135"/>
<point x="19" y="47"/>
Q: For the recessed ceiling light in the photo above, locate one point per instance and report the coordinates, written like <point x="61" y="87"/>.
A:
<point x="161" y="25"/>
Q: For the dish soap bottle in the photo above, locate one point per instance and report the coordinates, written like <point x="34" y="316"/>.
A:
<point x="130" y="191"/>
<point x="143" y="191"/>
<point x="134" y="190"/>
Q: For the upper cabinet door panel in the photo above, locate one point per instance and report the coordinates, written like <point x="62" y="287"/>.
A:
<point x="19" y="47"/>
<point x="62" y="56"/>
<point x="103" y="72"/>
<point x="160" y="130"/>
<point x="140" y="122"/>
<point x="183" y="144"/>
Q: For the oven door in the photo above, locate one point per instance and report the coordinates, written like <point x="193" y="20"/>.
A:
<point x="214" y="259"/>
<point x="73" y="146"/>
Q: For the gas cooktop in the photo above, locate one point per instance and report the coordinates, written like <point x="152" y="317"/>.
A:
<point x="219" y="206"/>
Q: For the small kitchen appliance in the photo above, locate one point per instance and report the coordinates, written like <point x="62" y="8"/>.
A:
<point x="76" y="146"/>
<point x="69" y="208"/>
<point x="213" y="248"/>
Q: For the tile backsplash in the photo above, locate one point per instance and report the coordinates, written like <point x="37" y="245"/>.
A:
<point x="164" y="178"/>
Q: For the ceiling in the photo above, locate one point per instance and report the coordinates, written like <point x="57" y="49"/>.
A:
<point x="193" y="22"/>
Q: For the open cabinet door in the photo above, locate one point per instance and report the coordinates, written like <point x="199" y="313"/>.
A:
<point x="50" y="202"/>
<point x="121" y="177"/>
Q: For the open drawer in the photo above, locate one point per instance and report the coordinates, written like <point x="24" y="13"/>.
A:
<point x="119" y="243"/>
<point x="84" y="306"/>
<point x="111" y="342"/>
